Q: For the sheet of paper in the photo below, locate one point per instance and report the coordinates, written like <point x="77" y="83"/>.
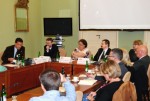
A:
<point x="87" y="82"/>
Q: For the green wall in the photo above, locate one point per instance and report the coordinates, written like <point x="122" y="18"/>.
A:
<point x="32" y="39"/>
<point x="126" y="38"/>
<point x="62" y="8"/>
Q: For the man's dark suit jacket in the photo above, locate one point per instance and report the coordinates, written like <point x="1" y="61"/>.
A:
<point x="9" y="53"/>
<point x="133" y="56"/>
<point x="123" y="68"/>
<point x="140" y="75"/>
<point x="52" y="52"/>
<point x="99" y="52"/>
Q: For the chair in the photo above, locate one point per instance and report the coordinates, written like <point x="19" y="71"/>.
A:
<point x="62" y="52"/>
<point x="126" y="92"/>
<point x="127" y="76"/>
<point x="79" y="95"/>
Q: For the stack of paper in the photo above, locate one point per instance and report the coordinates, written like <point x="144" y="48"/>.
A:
<point x="87" y="82"/>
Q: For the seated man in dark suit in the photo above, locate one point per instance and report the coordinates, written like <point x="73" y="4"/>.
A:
<point x="116" y="55"/>
<point x="140" y="71"/>
<point x="103" y="51"/>
<point x="50" y="49"/>
<point x="12" y="52"/>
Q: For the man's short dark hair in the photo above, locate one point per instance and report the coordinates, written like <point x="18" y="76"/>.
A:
<point x="18" y="40"/>
<point x="84" y="42"/>
<point x="117" y="53"/>
<point x="50" y="79"/>
<point x="107" y="42"/>
<point x="49" y="39"/>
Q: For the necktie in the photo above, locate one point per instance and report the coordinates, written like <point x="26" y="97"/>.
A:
<point x="103" y="56"/>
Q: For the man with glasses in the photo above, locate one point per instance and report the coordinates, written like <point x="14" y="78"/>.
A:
<point x="116" y="55"/>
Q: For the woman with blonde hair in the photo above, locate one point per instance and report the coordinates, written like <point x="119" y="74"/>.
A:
<point x="128" y="63"/>
<point x="126" y="58"/>
<point x="111" y="71"/>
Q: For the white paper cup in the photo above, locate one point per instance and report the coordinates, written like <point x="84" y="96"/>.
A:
<point x="75" y="78"/>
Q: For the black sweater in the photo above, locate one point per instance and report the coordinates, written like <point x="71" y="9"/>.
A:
<point x="106" y="93"/>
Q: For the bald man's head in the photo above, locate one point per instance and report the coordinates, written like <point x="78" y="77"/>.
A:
<point x="141" y="51"/>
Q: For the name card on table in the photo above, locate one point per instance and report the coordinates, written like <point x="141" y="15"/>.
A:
<point x="65" y="60"/>
<point x="38" y="60"/>
<point x="83" y="61"/>
<point x="45" y="58"/>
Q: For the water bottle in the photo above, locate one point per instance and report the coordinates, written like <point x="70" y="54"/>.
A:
<point x="3" y="93"/>
<point x="39" y="54"/>
<point x="22" y="61"/>
<point x="86" y="66"/>
<point x="57" y="56"/>
<point x="18" y="60"/>
<point x="63" y="71"/>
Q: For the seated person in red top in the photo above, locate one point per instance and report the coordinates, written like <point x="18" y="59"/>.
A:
<point x="82" y="50"/>
<point x="50" y="49"/>
<point x="11" y="52"/>
<point x="111" y="71"/>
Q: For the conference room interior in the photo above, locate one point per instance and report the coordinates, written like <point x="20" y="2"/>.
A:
<point x="34" y="39"/>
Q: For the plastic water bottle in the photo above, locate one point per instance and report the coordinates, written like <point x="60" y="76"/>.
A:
<point x="86" y="66"/>
<point x="3" y="93"/>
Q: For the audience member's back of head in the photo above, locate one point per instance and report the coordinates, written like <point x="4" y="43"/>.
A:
<point x="111" y="68"/>
<point x="50" y="80"/>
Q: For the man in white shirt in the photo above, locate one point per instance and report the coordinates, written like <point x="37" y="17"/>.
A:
<point x="103" y="51"/>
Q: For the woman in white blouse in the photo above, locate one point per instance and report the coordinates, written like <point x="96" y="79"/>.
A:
<point x="81" y="51"/>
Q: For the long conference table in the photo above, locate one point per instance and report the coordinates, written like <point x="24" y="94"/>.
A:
<point x="26" y="78"/>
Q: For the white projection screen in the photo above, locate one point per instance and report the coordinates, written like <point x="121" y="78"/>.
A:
<point x="114" y="14"/>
